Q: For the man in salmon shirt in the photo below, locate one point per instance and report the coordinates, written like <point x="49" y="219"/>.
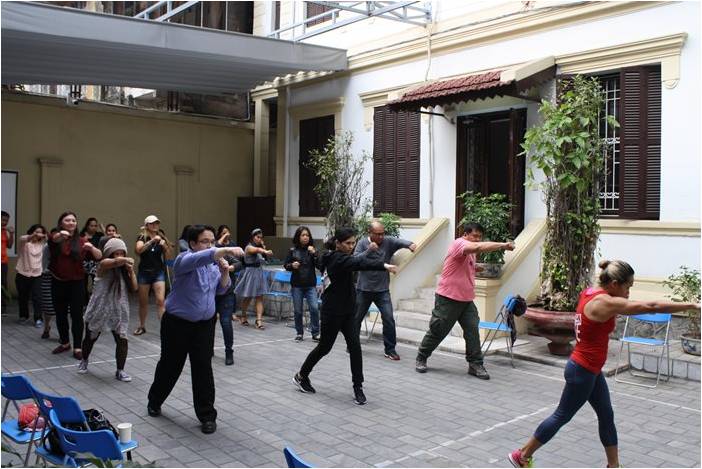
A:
<point x="8" y="239"/>
<point x="454" y="299"/>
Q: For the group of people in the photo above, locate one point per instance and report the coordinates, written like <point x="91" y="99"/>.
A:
<point x="204" y="286"/>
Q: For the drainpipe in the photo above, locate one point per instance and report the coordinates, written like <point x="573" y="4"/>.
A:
<point x="286" y="195"/>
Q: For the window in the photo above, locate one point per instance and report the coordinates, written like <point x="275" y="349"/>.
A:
<point x="313" y="9"/>
<point x="396" y="162"/>
<point x="632" y="178"/>
<point x="314" y="135"/>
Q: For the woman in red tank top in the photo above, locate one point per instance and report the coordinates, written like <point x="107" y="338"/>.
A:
<point x="595" y="320"/>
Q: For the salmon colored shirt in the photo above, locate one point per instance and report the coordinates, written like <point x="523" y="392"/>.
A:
<point x="457" y="280"/>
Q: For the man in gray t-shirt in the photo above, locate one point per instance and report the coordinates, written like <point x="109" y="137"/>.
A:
<point x="374" y="286"/>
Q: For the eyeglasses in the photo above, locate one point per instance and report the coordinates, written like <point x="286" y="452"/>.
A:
<point x="206" y="242"/>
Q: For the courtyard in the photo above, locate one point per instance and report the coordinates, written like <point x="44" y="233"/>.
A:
<point x="443" y="418"/>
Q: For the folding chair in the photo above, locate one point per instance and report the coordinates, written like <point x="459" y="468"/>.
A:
<point x="80" y="446"/>
<point x="282" y="278"/>
<point x="371" y="309"/>
<point x="658" y="323"/>
<point x="18" y="388"/>
<point x="501" y="324"/>
<point x="293" y="459"/>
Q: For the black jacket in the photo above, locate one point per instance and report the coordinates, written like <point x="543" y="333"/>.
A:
<point x="339" y="297"/>
<point x="305" y="275"/>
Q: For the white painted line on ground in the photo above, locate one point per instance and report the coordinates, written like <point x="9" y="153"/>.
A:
<point x="141" y="357"/>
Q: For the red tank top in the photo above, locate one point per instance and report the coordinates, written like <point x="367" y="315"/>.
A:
<point x="592" y="338"/>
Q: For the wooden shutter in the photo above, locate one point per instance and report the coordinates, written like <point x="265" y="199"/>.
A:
<point x="640" y="175"/>
<point x="314" y="135"/>
<point x="396" y="162"/>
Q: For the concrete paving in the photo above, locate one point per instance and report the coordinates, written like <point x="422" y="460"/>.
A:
<point x="443" y="418"/>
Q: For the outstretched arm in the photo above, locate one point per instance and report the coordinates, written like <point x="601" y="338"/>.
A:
<point x="604" y="307"/>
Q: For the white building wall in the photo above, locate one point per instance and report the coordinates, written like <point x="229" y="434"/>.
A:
<point x="680" y="196"/>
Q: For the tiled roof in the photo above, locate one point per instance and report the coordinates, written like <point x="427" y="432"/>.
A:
<point x="454" y="86"/>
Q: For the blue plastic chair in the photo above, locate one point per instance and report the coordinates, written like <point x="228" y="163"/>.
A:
<point x="660" y="326"/>
<point x="78" y="446"/>
<point x="283" y="293"/>
<point x="499" y="326"/>
<point x="293" y="459"/>
<point x="18" y="388"/>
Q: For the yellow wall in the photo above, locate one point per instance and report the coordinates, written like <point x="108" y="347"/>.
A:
<point x="118" y="165"/>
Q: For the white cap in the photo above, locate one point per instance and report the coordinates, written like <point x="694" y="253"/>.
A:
<point x="151" y="219"/>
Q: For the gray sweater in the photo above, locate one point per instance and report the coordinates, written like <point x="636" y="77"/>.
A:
<point x="377" y="281"/>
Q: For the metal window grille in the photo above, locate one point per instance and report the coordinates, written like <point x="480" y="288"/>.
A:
<point x="609" y="187"/>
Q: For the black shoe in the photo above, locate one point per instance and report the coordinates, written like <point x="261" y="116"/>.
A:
<point x="359" y="398"/>
<point x="420" y="365"/>
<point x="315" y="337"/>
<point x="153" y="410"/>
<point x="229" y="357"/>
<point x="303" y="383"/>
<point x="298" y="338"/>
<point x="478" y="371"/>
<point x="209" y="427"/>
<point x="392" y="356"/>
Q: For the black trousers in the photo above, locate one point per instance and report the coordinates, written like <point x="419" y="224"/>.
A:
<point x="69" y="298"/>
<point x="181" y="339"/>
<point x="330" y="328"/>
<point x="121" y="346"/>
<point x="28" y="288"/>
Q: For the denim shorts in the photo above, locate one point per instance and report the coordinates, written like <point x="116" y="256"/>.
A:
<point x="147" y="278"/>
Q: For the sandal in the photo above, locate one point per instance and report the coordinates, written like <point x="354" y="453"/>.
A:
<point x="243" y="321"/>
<point x="139" y="331"/>
<point x="61" y="348"/>
<point x="259" y="324"/>
<point x="46" y="335"/>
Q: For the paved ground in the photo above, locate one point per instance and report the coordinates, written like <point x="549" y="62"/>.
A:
<point x="444" y="418"/>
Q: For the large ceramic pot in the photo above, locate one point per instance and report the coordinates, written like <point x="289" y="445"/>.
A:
<point x="690" y="344"/>
<point x="557" y="326"/>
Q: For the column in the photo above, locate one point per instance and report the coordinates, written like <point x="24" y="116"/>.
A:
<point x="261" y="150"/>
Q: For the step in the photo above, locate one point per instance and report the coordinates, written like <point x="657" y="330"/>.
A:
<point x="417" y="305"/>
<point x="683" y="365"/>
<point x="419" y="322"/>
<point x="426" y="293"/>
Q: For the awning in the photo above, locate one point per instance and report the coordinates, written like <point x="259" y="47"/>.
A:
<point x="513" y="81"/>
<point x="44" y="44"/>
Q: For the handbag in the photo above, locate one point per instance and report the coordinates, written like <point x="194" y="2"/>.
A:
<point x="96" y="421"/>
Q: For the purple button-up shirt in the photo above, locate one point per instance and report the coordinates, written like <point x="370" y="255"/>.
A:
<point x="195" y="284"/>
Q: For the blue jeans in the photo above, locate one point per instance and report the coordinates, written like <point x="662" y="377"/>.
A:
<point x="581" y="386"/>
<point x="384" y="303"/>
<point x="225" y="305"/>
<point x="310" y="294"/>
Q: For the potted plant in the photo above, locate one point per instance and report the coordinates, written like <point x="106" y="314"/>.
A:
<point x="685" y="286"/>
<point x="341" y="187"/>
<point x="390" y="221"/>
<point x="492" y="212"/>
<point x="567" y="148"/>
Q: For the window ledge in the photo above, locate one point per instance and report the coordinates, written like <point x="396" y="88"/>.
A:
<point x="650" y="227"/>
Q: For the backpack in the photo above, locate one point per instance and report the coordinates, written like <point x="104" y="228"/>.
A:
<point x="96" y="421"/>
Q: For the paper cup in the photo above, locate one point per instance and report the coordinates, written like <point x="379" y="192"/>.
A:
<point x="125" y="432"/>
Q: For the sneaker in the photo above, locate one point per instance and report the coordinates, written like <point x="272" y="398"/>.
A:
<point x="83" y="367"/>
<point x="315" y="337"/>
<point x="478" y="371"/>
<point x="298" y="338"/>
<point x="420" y="365"/>
<point x="38" y="323"/>
<point x="120" y="375"/>
<point x="358" y="396"/>
<point x="392" y="356"/>
<point x="515" y="457"/>
<point x="303" y="383"/>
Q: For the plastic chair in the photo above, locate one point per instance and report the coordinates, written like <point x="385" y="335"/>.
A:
<point x="659" y="323"/>
<point x="282" y="278"/>
<point x="371" y="309"/>
<point x="499" y="325"/>
<point x="79" y="446"/>
<point x="18" y="388"/>
<point x="293" y="459"/>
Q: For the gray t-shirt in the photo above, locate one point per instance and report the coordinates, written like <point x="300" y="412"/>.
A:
<point x="376" y="281"/>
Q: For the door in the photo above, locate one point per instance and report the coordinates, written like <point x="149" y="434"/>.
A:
<point x="251" y="213"/>
<point x="314" y="135"/>
<point x="487" y="161"/>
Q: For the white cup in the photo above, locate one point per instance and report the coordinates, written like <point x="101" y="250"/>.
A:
<point x="125" y="432"/>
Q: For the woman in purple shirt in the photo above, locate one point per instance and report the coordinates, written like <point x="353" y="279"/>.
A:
<point x="188" y="324"/>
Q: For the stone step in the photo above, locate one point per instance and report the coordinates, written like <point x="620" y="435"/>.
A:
<point x="419" y="322"/>
<point x="426" y="293"/>
<point x="417" y="305"/>
<point x="683" y="365"/>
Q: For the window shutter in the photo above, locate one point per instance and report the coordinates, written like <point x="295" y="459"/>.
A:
<point x="640" y="143"/>
<point x="314" y="135"/>
<point x="396" y="162"/>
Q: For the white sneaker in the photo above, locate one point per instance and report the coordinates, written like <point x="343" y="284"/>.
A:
<point x="83" y="367"/>
<point x="120" y="375"/>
